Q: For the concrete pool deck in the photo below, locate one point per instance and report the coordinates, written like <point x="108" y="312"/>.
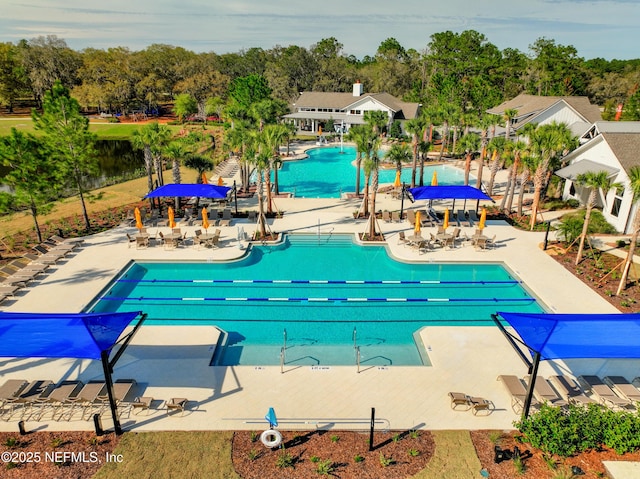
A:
<point x="173" y="361"/>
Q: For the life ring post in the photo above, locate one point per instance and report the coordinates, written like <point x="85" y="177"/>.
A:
<point x="271" y="438"/>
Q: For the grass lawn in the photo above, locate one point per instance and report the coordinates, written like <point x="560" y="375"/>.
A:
<point x="208" y="454"/>
<point x="104" y="130"/>
<point x="172" y="454"/>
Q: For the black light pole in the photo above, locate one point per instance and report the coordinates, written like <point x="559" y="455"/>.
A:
<point x="546" y="236"/>
<point x="235" y="196"/>
<point x="402" y="201"/>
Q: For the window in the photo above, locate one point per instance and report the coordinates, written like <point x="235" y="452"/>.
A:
<point x="617" y="201"/>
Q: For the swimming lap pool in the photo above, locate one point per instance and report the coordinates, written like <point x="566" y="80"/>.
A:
<point x="329" y="171"/>
<point x="324" y="295"/>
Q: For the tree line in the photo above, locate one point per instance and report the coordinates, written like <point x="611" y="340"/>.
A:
<point x="463" y="70"/>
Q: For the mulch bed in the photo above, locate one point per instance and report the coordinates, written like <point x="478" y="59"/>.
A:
<point x="595" y="271"/>
<point x="535" y="466"/>
<point x="340" y="448"/>
<point x="49" y="454"/>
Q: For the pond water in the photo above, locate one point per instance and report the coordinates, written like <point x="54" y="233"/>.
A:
<point x="116" y="160"/>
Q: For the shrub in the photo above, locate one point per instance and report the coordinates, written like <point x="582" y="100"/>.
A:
<point x="413" y="452"/>
<point x="386" y="461"/>
<point x="335" y="438"/>
<point x="285" y="460"/>
<point x="571" y="225"/>
<point x="413" y="434"/>
<point x="325" y="467"/>
<point x="581" y="428"/>
<point x="358" y="458"/>
<point x="314" y="459"/>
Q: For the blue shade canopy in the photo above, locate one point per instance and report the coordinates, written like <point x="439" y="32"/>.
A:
<point x="563" y="336"/>
<point x="448" y="192"/>
<point x="42" y="335"/>
<point x="197" y="189"/>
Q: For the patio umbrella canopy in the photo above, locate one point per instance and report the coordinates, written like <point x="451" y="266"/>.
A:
<point x="448" y="192"/>
<point x="43" y="335"/>
<point x="138" y="217"/>
<point x="172" y="217"/>
<point x="434" y="178"/>
<point x="483" y="219"/>
<point x="563" y="336"/>
<point x="205" y="219"/>
<point x="445" y="223"/>
<point x="417" y="226"/>
<point x="190" y="190"/>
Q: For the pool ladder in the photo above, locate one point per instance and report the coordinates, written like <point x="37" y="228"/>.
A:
<point x="282" y="351"/>
<point x="356" y="349"/>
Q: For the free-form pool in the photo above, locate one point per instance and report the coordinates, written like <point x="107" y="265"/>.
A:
<point x="329" y="171"/>
<point x="324" y="296"/>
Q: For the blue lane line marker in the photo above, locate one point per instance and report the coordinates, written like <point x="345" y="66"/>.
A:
<point x="329" y="299"/>
<point x="311" y="281"/>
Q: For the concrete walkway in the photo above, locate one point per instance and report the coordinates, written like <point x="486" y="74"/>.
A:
<point x="173" y="361"/>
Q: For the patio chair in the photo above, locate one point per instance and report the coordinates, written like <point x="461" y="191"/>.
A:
<point x="26" y="397"/>
<point x="11" y="389"/>
<point x="121" y="389"/>
<point x="623" y="388"/>
<point x="473" y="217"/>
<point x="130" y="240"/>
<point x="604" y="393"/>
<point x="545" y="393"/>
<point x="570" y="391"/>
<point x="517" y="391"/>
<point x="476" y="404"/>
<point x="226" y="218"/>
<point x="87" y="400"/>
<point x="395" y="217"/>
<point x="253" y="217"/>
<point x="386" y="216"/>
<point x="142" y="403"/>
<point x="75" y="242"/>
<point x="43" y="248"/>
<point x="402" y="238"/>
<point x="59" y="397"/>
<point x="491" y="242"/>
<point x="434" y="217"/>
<point x="411" y="217"/>
<point x="177" y="404"/>
<point x="462" y="219"/>
<point x="142" y="242"/>
<point x="42" y="259"/>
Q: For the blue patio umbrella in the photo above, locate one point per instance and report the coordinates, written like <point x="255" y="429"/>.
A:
<point x="271" y="418"/>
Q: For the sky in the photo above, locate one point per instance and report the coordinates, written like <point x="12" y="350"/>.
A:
<point x="596" y="28"/>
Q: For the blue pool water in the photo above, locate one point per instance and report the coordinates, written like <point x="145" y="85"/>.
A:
<point x="328" y="172"/>
<point x="318" y="289"/>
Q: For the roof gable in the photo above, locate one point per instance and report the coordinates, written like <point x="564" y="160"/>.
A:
<point x="625" y="147"/>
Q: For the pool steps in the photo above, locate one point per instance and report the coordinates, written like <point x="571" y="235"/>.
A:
<point x="219" y="350"/>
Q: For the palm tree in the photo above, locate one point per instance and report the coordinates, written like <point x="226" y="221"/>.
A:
<point x="423" y="147"/>
<point x="516" y="149"/>
<point x="497" y="146"/>
<point x="508" y="115"/>
<point x="372" y="166"/>
<point x="199" y="163"/>
<point x="378" y="119"/>
<point x="272" y="137"/>
<point x="594" y="182"/>
<point x="634" y="186"/>
<point x="528" y="166"/>
<point x="546" y="143"/>
<point x="361" y="135"/>
<point x="484" y="123"/>
<point x="449" y="114"/>
<point x="470" y="143"/>
<point x="398" y="154"/>
<point x="236" y="139"/>
<point x="175" y="151"/>
<point x="151" y="138"/>
<point x="415" y="127"/>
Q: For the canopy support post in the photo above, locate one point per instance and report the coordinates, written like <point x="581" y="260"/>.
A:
<point x="533" y="373"/>
<point x="104" y="355"/>
<point x="511" y="341"/>
<point x="127" y="340"/>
